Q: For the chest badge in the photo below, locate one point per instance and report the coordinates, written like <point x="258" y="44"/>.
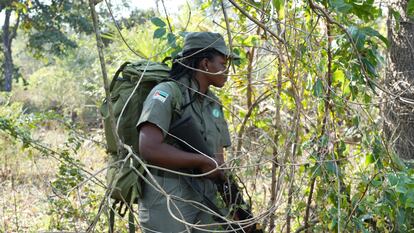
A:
<point x="216" y="113"/>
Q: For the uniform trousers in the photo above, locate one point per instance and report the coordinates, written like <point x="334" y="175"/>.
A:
<point x="157" y="213"/>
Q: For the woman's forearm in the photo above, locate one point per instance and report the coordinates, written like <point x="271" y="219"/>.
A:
<point x="156" y="152"/>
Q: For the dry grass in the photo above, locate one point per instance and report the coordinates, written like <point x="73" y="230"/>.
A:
<point x="26" y="177"/>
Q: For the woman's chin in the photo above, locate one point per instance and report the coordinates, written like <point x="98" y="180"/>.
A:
<point x="219" y="85"/>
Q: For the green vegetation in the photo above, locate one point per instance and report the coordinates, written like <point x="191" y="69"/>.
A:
<point x="304" y="105"/>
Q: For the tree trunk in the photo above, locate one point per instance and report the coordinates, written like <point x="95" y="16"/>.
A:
<point x="399" y="115"/>
<point x="8" y="60"/>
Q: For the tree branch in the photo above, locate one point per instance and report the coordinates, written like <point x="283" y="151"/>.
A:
<point x="264" y="27"/>
<point x="226" y="19"/>
<point x="303" y="228"/>
<point x="308" y="204"/>
<point x="99" y="45"/>
<point x="261" y="98"/>
<point x="138" y="53"/>
<point x="16" y="26"/>
<point x="275" y="163"/>
<point x="166" y="16"/>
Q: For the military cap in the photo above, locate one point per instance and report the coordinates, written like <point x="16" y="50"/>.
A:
<point x="203" y="40"/>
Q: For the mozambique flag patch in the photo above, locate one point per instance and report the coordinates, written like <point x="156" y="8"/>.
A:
<point x="160" y="95"/>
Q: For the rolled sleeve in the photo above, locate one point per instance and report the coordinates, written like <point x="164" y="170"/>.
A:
<point x="158" y="108"/>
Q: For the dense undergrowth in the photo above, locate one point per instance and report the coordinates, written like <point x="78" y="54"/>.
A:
<point x="303" y="110"/>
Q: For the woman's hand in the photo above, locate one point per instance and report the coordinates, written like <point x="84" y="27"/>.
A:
<point x="209" y="165"/>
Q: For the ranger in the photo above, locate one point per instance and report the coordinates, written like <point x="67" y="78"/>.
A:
<point x="202" y="63"/>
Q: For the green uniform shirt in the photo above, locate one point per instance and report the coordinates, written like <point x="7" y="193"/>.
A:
<point x="162" y="106"/>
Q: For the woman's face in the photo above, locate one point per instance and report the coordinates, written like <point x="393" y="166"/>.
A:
<point x="217" y="65"/>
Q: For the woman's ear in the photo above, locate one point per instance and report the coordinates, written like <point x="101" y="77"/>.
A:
<point x="204" y="64"/>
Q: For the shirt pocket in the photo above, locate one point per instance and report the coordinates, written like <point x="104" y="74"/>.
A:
<point x="214" y="134"/>
<point x="223" y="137"/>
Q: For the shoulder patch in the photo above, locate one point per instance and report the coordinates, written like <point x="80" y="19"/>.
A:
<point x="160" y="95"/>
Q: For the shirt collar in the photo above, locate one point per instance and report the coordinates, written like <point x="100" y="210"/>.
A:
<point x="187" y="81"/>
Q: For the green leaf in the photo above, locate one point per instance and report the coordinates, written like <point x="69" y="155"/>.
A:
<point x="393" y="179"/>
<point x="315" y="170"/>
<point x="377" y="151"/>
<point x="365" y="10"/>
<point x="339" y="76"/>
<point x="401" y="218"/>
<point x="171" y="39"/>
<point x="369" y="159"/>
<point x="376" y="183"/>
<point x="205" y="5"/>
<point x="331" y="167"/>
<point x="250" y="41"/>
<point x="410" y="199"/>
<point x="358" y="36"/>
<point x="341" y="6"/>
<point x="160" y="32"/>
<point x="334" y="222"/>
<point x="409" y="204"/>
<point x="176" y="51"/>
<point x="278" y="4"/>
<point x="410" y="8"/>
<point x="20" y="7"/>
<point x="236" y="62"/>
<point x="372" y="32"/>
<point x="158" y="22"/>
<point x="367" y="98"/>
<point x="324" y="140"/>
<point x="341" y="148"/>
<point x="318" y="88"/>
<point x="401" y="189"/>
<point x="356" y="121"/>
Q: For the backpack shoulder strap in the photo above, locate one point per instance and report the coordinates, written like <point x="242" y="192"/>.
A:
<point x="120" y="69"/>
<point x="177" y="93"/>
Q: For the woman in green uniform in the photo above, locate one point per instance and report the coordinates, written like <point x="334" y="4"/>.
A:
<point x="201" y="64"/>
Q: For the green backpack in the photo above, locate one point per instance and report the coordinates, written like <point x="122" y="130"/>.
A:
<point x="127" y="101"/>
